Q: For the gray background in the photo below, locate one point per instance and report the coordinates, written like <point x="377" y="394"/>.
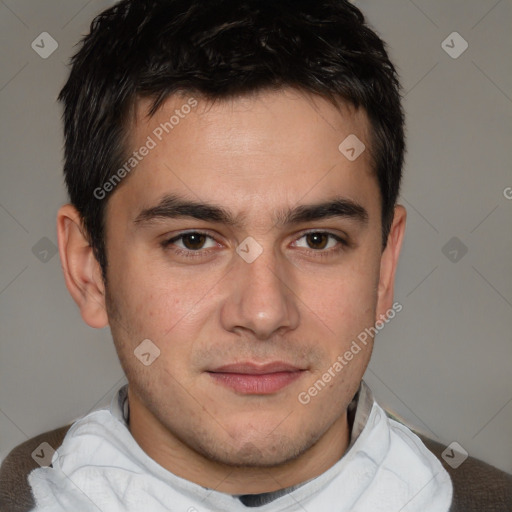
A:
<point x="443" y="364"/>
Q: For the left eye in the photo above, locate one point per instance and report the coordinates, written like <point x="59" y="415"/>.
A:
<point x="318" y="241"/>
<point x="192" y="241"/>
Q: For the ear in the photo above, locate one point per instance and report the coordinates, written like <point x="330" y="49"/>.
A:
<point x="389" y="261"/>
<point x="82" y="271"/>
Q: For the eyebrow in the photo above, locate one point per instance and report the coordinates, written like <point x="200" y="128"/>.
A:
<point x="172" y="207"/>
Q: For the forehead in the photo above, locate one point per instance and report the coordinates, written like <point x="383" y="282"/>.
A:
<point x="270" y="149"/>
<point x="226" y="122"/>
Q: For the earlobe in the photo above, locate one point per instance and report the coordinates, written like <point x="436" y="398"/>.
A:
<point x="81" y="269"/>
<point x="389" y="261"/>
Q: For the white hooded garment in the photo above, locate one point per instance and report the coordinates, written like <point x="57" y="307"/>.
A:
<point x="101" y="468"/>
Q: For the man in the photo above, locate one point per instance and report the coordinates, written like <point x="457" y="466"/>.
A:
<point x="233" y="169"/>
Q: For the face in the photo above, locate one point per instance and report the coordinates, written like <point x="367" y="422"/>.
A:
<point x="247" y="247"/>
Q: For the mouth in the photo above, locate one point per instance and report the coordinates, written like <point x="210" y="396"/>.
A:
<point x="256" y="379"/>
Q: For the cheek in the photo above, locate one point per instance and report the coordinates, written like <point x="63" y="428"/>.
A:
<point x="150" y="291"/>
<point x="164" y="312"/>
<point x="170" y="311"/>
<point x="344" y="300"/>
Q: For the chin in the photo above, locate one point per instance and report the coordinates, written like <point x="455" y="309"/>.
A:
<point x="259" y="450"/>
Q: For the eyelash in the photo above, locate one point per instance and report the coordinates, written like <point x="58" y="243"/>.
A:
<point x="189" y="253"/>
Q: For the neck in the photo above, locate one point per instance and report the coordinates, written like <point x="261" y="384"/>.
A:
<point x="180" y="459"/>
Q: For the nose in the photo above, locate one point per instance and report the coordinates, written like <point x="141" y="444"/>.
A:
<point x="260" y="298"/>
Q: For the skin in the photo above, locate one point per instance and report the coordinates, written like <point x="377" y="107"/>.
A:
<point x="302" y="301"/>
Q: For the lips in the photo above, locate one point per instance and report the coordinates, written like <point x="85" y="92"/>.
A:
<point x="256" y="379"/>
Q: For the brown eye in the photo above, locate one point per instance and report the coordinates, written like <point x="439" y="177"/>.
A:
<point x="320" y="241"/>
<point x="193" y="241"/>
<point x="317" y="240"/>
